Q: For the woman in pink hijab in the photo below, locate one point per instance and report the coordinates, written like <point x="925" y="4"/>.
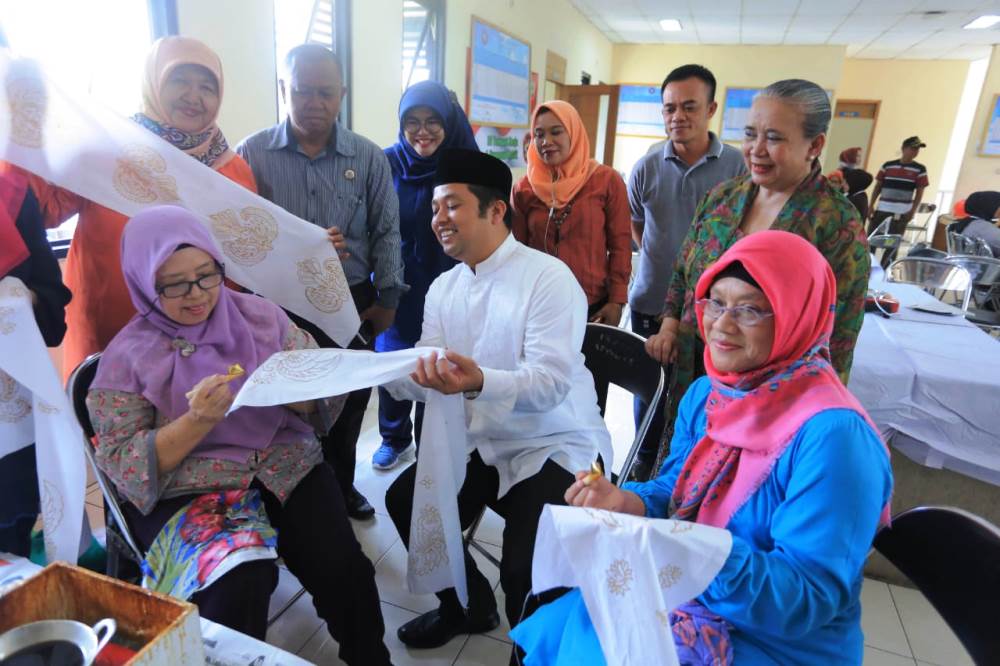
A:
<point x="771" y="446"/>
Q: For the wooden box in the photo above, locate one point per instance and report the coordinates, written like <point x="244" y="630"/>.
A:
<point x="163" y="630"/>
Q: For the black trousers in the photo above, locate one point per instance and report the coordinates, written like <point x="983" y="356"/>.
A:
<point x="319" y="548"/>
<point x="340" y="444"/>
<point x="520" y="508"/>
<point x="647" y="325"/>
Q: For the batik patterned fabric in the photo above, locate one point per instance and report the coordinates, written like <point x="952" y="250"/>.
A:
<point x="208" y="537"/>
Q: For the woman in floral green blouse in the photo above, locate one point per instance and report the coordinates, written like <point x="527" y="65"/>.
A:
<point x="784" y="190"/>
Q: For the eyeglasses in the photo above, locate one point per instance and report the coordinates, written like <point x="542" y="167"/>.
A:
<point x="432" y="125"/>
<point x="743" y="315"/>
<point x="179" y="289"/>
<point x="325" y="94"/>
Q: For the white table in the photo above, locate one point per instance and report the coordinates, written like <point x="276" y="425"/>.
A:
<point x="932" y="385"/>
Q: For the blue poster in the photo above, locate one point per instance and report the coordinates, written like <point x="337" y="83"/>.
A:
<point x="500" y="78"/>
<point x="640" y="111"/>
<point x="735" y="111"/>
<point x="991" y="140"/>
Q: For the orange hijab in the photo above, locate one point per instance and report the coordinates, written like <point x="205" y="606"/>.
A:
<point x="572" y="174"/>
<point x="166" y="54"/>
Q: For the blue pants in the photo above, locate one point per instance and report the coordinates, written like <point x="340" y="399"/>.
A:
<point x="394" y="420"/>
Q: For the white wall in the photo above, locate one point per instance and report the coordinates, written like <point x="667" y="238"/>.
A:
<point x="242" y="33"/>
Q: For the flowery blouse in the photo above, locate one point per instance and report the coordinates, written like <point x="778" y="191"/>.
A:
<point x="126" y="425"/>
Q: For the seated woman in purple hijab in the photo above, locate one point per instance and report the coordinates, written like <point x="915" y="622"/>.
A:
<point x="211" y="498"/>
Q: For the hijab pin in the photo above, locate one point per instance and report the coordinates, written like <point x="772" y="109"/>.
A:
<point x="349" y="174"/>
<point x="186" y="348"/>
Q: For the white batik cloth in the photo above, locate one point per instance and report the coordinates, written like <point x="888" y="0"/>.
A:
<point x="34" y="408"/>
<point x="435" y="560"/>
<point x="83" y="147"/>
<point x="631" y="571"/>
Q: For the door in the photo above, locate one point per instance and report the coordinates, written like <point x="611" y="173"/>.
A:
<point x="853" y="125"/>
<point x="598" y="108"/>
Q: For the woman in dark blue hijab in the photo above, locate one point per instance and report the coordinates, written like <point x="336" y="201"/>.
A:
<point x="430" y="119"/>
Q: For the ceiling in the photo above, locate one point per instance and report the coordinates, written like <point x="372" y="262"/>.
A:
<point x="869" y="28"/>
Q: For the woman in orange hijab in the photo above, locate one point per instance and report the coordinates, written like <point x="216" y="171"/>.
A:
<point x="573" y="208"/>
<point x="181" y="95"/>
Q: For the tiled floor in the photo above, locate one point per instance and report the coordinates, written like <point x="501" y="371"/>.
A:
<point x="901" y="628"/>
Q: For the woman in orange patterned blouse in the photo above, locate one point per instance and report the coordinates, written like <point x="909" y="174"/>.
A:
<point x="181" y="96"/>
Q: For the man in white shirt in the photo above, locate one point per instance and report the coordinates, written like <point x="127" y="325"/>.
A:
<point x="512" y="321"/>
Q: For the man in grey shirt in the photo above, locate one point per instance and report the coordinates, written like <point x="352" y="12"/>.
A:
<point x="664" y="191"/>
<point x="324" y="173"/>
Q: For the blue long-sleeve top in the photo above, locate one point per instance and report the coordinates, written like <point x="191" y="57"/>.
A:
<point x="791" y="586"/>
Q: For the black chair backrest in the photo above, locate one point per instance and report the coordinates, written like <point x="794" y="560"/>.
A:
<point x="618" y="356"/>
<point x="79" y="383"/>
<point x="953" y="557"/>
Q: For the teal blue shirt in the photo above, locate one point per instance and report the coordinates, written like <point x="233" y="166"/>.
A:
<point x="791" y="587"/>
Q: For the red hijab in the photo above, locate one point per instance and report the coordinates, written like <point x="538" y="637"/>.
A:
<point x="13" y="187"/>
<point x="744" y="438"/>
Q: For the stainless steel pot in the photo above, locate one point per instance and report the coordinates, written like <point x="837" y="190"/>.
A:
<point x="90" y="640"/>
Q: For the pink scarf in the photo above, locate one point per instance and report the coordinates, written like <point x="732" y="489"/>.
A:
<point x="753" y="416"/>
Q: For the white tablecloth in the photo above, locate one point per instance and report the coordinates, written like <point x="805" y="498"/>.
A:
<point x="932" y="384"/>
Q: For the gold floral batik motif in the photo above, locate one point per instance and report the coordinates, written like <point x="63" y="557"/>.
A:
<point x="619" y="577"/>
<point x="681" y="526"/>
<point x="326" y="286"/>
<point x="53" y="508"/>
<point x="303" y="365"/>
<point x="669" y="575"/>
<point x="606" y="518"/>
<point x="6" y="325"/>
<point x="14" y="406"/>
<point x="28" y="101"/>
<point x="663" y="617"/>
<point x="141" y="176"/>
<point x="246" y="239"/>
<point x="428" y="549"/>
<point x="46" y="408"/>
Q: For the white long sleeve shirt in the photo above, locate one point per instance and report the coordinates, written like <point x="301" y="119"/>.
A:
<point x="521" y="316"/>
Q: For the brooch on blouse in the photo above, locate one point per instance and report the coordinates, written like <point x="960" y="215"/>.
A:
<point x="186" y="348"/>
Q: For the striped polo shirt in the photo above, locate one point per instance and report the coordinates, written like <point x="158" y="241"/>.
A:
<point x="899" y="182"/>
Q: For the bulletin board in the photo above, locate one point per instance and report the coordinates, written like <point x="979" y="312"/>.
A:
<point x="640" y="110"/>
<point x="499" y="77"/>
<point x="990" y="144"/>
<point x="735" y="110"/>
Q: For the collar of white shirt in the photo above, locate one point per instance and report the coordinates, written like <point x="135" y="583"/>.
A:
<point x="495" y="260"/>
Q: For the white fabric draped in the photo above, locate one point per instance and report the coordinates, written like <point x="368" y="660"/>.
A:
<point x="435" y="559"/>
<point x="83" y="147"/>
<point x="632" y="572"/>
<point x="34" y="408"/>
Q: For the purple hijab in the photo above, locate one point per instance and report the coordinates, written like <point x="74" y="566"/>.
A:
<point x="145" y="357"/>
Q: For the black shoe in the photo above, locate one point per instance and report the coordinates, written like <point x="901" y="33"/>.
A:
<point x="358" y="507"/>
<point x="432" y="630"/>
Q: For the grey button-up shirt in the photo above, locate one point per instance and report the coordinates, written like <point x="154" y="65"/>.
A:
<point x="348" y="185"/>
<point x="663" y="195"/>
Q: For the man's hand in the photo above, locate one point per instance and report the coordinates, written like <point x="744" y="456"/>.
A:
<point x="380" y="317"/>
<point x="452" y="373"/>
<point x="338" y="241"/>
<point x="662" y="345"/>
<point x="610" y="314"/>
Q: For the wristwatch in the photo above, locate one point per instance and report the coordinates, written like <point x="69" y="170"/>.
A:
<point x="471" y="395"/>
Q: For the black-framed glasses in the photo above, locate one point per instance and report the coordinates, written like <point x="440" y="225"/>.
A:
<point x="743" y="315"/>
<point x="180" y="289"/>
<point x="432" y="125"/>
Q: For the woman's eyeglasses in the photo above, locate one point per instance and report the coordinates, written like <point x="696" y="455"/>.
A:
<point x="179" y="289"/>
<point x="743" y="315"/>
<point x="431" y="125"/>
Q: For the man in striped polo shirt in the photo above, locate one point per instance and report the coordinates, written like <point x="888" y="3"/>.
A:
<point x="899" y="187"/>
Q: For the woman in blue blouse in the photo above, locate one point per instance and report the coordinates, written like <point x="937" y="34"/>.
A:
<point x="771" y="446"/>
<point x="430" y="119"/>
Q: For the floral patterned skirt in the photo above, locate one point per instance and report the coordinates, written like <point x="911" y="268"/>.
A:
<point x="205" y="539"/>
